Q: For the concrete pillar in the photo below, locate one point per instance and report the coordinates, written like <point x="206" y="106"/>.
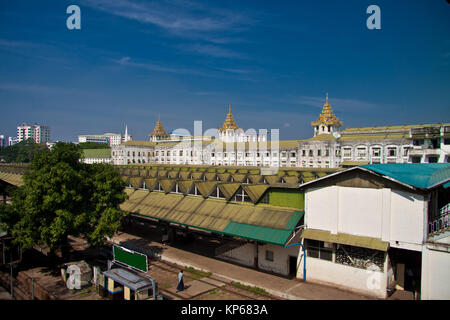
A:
<point x="126" y="294"/>
<point x="110" y="285"/>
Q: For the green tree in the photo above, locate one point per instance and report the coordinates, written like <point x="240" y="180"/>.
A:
<point x="62" y="196"/>
<point x="23" y="151"/>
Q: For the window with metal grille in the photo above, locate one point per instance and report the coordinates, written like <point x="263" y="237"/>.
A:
<point x="358" y="257"/>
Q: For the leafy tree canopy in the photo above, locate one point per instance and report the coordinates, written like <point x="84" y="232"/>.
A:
<point x="62" y="196"/>
<point x="23" y="151"/>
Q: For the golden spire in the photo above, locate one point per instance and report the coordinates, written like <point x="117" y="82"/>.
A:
<point x="327" y="116"/>
<point x="159" y="130"/>
<point x="229" y="121"/>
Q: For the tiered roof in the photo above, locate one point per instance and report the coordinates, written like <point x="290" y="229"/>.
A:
<point x="327" y="116"/>
<point x="159" y="130"/>
<point x="229" y="122"/>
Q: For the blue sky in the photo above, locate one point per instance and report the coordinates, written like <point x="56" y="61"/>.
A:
<point x="273" y="61"/>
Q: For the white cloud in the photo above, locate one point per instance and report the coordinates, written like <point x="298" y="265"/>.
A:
<point x="212" y="50"/>
<point x="342" y="104"/>
<point x="175" y="16"/>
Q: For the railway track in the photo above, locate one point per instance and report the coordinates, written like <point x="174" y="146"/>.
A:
<point x="225" y="286"/>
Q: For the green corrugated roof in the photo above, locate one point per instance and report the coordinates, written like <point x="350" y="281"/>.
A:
<point x="419" y="175"/>
<point x="322" y="137"/>
<point x="344" y="238"/>
<point x="255" y="178"/>
<point x="167" y="184"/>
<point x="295" y="218"/>
<point x="206" y="187"/>
<point x="290" y="179"/>
<point x="257" y="233"/>
<point x="224" y="177"/>
<point x="12" y="178"/>
<point x="238" y="177"/>
<point x="272" y="179"/>
<point x="229" y="189"/>
<point x="185" y="186"/>
<point x="261" y="233"/>
<point x="136" y="182"/>
<point x="150" y="183"/>
<point x="260" y="223"/>
<point x="374" y="137"/>
<point x="97" y="153"/>
<point x="255" y="192"/>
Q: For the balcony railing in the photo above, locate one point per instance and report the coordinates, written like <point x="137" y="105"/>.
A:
<point x="442" y="222"/>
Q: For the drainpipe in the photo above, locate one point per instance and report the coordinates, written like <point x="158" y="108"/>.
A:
<point x="304" y="258"/>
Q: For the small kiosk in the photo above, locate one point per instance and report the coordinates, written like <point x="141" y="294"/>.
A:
<point x="129" y="280"/>
<point x="123" y="284"/>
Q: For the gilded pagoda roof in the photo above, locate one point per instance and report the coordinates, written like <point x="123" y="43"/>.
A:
<point x="327" y="116"/>
<point x="229" y="122"/>
<point x="159" y="130"/>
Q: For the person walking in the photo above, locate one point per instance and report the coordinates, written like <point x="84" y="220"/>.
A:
<point x="180" y="286"/>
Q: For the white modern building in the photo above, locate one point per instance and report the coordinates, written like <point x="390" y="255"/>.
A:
<point x="12" y="140"/>
<point x="376" y="228"/>
<point x="39" y="134"/>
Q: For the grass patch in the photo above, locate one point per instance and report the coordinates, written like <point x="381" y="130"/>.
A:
<point x="166" y="286"/>
<point x="197" y="274"/>
<point x="249" y="288"/>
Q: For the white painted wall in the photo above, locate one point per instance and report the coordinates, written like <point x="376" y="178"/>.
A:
<point x="345" y="277"/>
<point x="435" y="274"/>
<point x="385" y="214"/>
<point x="280" y="263"/>
<point x="407" y="217"/>
<point x="245" y="255"/>
<point x="321" y="208"/>
<point x="360" y="211"/>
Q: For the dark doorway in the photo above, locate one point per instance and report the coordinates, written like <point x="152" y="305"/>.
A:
<point x="407" y="265"/>
<point x="292" y="266"/>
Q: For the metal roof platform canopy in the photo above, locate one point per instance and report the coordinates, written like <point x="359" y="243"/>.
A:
<point x="262" y="223"/>
<point x="414" y="177"/>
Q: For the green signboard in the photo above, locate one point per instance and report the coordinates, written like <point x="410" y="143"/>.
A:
<point x="130" y="258"/>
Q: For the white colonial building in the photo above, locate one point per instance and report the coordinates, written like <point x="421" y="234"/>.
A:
<point x="330" y="147"/>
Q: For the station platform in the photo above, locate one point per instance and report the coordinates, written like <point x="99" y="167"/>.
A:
<point x="279" y="286"/>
